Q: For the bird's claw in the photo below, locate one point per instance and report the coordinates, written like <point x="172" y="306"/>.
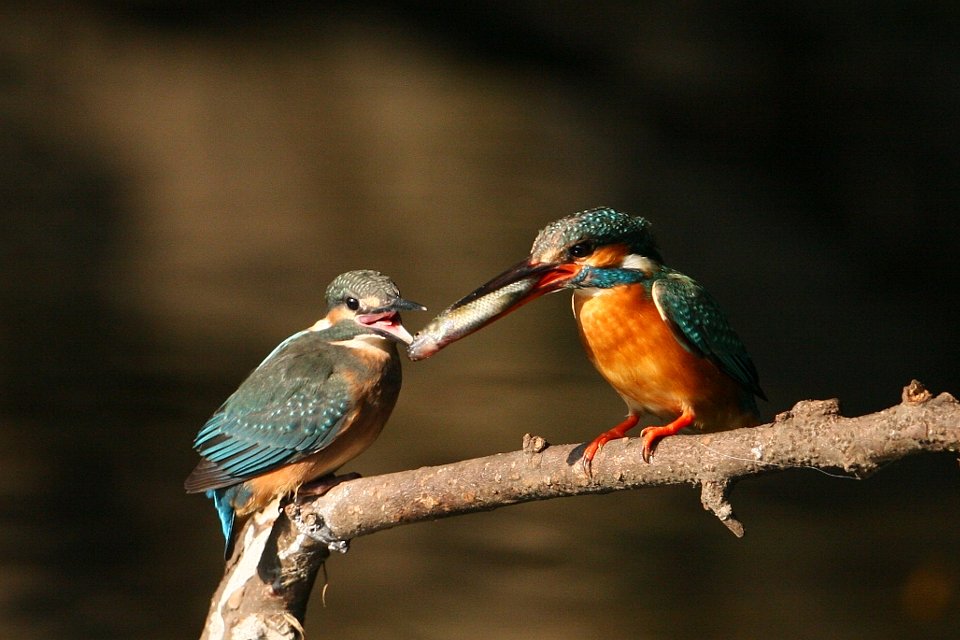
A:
<point x="586" y="466"/>
<point x="648" y="438"/>
<point x="312" y="525"/>
<point x="586" y="460"/>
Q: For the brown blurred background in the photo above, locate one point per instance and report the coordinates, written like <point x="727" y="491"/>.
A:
<point x="181" y="180"/>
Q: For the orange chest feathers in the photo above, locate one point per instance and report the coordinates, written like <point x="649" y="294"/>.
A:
<point x="637" y="353"/>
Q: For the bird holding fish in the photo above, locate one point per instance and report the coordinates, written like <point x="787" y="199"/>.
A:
<point x="654" y="334"/>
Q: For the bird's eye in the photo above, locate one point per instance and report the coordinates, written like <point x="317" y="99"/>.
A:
<point x="353" y="304"/>
<point x="581" y="250"/>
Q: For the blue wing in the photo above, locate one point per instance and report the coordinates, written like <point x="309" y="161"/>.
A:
<point x="700" y="326"/>
<point x="291" y="406"/>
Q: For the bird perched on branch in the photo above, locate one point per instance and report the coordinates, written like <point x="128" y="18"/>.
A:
<point x="653" y="333"/>
<point x="318" y="400"/>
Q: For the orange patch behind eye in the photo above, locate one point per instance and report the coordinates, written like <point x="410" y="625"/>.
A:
<point x="339" y="313"/>
<point x="608" y="256"/>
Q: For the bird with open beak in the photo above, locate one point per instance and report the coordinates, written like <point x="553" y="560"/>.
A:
<point x="318" y="400"/>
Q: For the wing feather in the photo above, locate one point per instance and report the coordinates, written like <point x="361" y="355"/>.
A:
<point x="701" y="327"/>
<point x="290" y="407"/>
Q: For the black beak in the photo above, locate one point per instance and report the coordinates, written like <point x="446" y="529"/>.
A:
<point x="402" y="304"/>
<point x="521" y="283"/>
<point x="543" y="278"/>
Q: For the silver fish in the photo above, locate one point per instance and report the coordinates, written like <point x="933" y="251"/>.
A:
<point x="469" y="314"/>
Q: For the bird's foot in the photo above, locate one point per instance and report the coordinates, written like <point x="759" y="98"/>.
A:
<point x="321" y="486"/>
<point x="311" y="524"/>
<point x="619" y="431"/>
<point x="651" y="435"/>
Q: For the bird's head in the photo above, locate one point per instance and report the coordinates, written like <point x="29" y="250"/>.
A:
<point x="595" y="248"/>
<point x="372" y="300"/>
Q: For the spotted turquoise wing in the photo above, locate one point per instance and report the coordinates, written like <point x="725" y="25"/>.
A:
<point x="291" y="406"/>
<point x="700" y="326"/>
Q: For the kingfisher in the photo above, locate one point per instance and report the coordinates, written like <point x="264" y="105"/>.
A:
<point x="319" y="399"/>
<point x="654" y="334"/>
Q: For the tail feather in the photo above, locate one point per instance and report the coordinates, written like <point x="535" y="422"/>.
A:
<point x="224" y="501"/>
<point x="208" y="476"/>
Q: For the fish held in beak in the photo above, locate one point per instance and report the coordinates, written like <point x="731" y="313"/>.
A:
<point x="510" y="290"/>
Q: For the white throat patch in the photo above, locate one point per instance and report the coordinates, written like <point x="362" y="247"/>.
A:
<point x="590" y="292"/>
<point x="365" y="342"/>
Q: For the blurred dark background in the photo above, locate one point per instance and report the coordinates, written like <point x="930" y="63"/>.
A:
<point x="181" y="180"/>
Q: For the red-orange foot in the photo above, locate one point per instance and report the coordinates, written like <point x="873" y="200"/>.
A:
<point x="619" y="431"/>
<point x="651" y="435"/>
<point x="321" y="486"/>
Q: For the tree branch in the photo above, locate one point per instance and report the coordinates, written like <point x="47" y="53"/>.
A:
<point x="266" y="585"/>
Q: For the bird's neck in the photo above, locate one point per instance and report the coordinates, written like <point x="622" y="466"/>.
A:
<point x="369" y="342"/>
<point x="353" y="335"/>
<point x="321" y="324"/>
<point x="633" y="270"/>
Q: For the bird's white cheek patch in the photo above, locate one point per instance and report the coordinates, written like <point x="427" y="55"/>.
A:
<point x="321" y="324"/>
<point x="640" y="263"/>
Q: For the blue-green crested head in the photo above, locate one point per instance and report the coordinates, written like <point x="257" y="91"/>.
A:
<point x="563" y="239"/>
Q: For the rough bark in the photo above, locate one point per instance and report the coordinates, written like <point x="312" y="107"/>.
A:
<point x="266" y="585"/>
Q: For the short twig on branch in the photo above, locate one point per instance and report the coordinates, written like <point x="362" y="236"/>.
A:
<point x="266" y="585"/>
